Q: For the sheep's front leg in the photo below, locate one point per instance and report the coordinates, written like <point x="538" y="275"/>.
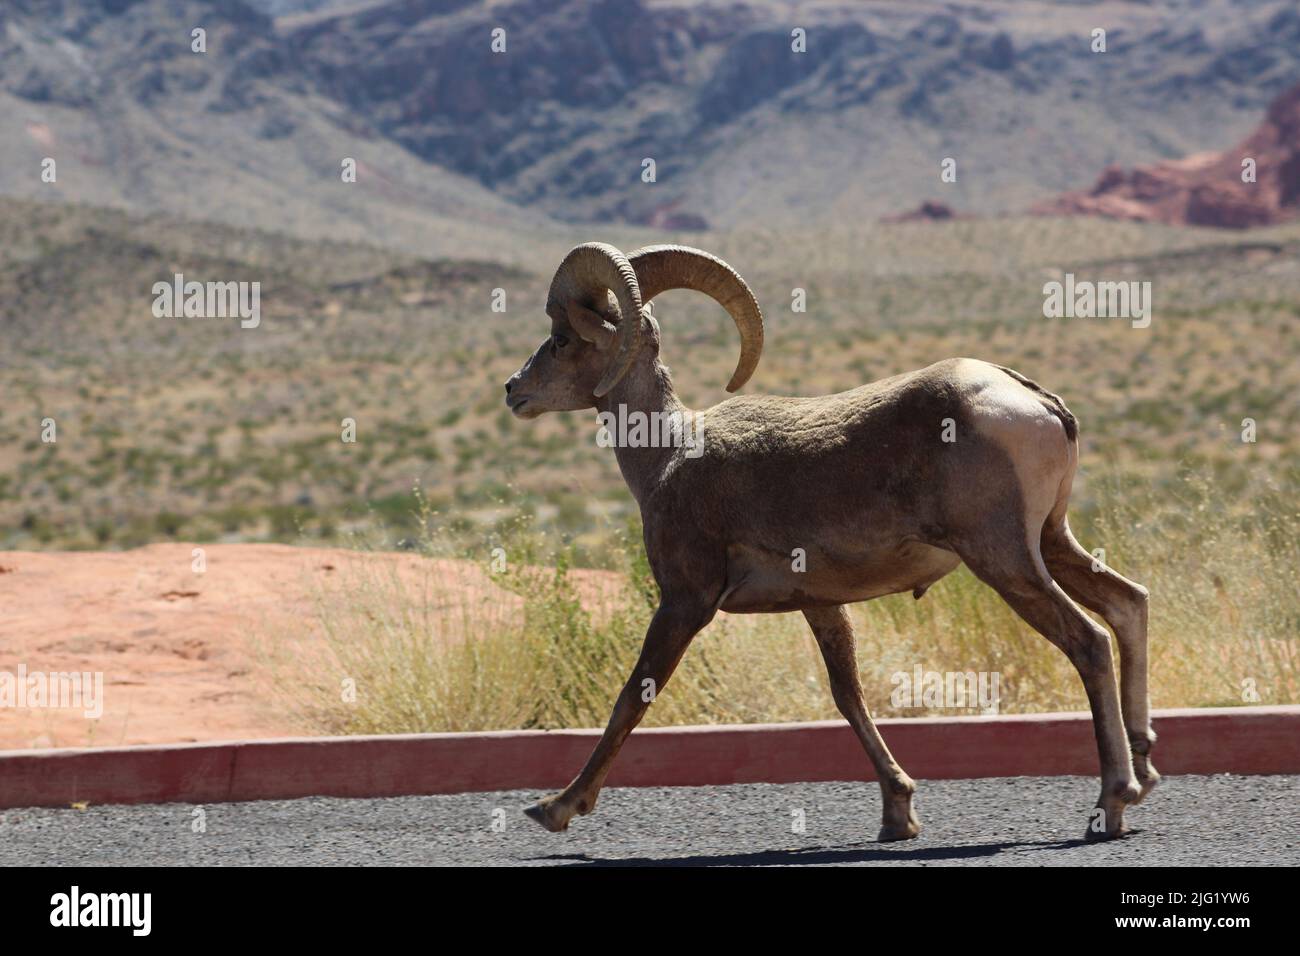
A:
<point x="666" y="640"/>
<point x="834" y="632"/>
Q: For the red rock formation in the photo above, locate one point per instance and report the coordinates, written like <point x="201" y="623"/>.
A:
<point x="1205" y="189"/>
<point x="929" y="211"/>
<point x="672" y="218"/>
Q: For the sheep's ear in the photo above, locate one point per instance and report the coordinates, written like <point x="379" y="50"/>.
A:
<point x="590" y="326"/>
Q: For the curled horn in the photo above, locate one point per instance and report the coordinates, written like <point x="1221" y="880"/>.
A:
<point x="660" y="268"/>
<point x="584" y="275"/>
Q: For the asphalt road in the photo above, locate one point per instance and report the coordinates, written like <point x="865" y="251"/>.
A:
<point x="1020" y="821"/>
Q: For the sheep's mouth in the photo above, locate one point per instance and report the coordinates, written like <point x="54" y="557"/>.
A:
<point x="516" y="404"/>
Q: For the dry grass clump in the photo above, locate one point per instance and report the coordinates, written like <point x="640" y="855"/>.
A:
<point x="549" y="646"/>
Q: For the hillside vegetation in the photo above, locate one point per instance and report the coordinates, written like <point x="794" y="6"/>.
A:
<point x="196" y="429"/>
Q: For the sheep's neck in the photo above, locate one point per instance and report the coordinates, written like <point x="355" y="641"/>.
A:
<point x="648" y="390"/>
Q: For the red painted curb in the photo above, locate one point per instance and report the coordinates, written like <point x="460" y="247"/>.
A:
<point x="1240" y="740"/>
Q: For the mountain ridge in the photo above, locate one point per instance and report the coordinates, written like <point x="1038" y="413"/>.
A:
<point x="458" y="147"/>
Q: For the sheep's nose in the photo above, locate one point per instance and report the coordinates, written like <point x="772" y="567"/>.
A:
<point x="507" y="388"/>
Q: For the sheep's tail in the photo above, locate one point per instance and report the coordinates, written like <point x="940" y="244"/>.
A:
<point x="1052" y="401"/>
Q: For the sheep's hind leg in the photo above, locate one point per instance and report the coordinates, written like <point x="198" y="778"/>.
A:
<point x="1123" y="605"/>
<point x="834" y="632"/>
<point x="1022" y="580"/>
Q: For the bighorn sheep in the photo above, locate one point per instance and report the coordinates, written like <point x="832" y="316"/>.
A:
<point x="861" y="481"/>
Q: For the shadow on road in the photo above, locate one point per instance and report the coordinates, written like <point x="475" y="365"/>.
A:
<point x="812" y="856"/>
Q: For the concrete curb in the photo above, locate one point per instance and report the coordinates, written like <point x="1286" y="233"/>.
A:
<point x="1240" y="740"/>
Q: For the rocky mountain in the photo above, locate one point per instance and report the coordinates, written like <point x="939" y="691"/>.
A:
<point x="1256" y="183"/>
<point x="133" y="117"/>
<point x="750" y="111"/>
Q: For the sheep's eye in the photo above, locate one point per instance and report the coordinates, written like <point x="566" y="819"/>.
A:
<point x="559" y="341"/>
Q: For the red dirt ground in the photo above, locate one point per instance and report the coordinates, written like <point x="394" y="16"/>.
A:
<point x="176" y="649"/>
